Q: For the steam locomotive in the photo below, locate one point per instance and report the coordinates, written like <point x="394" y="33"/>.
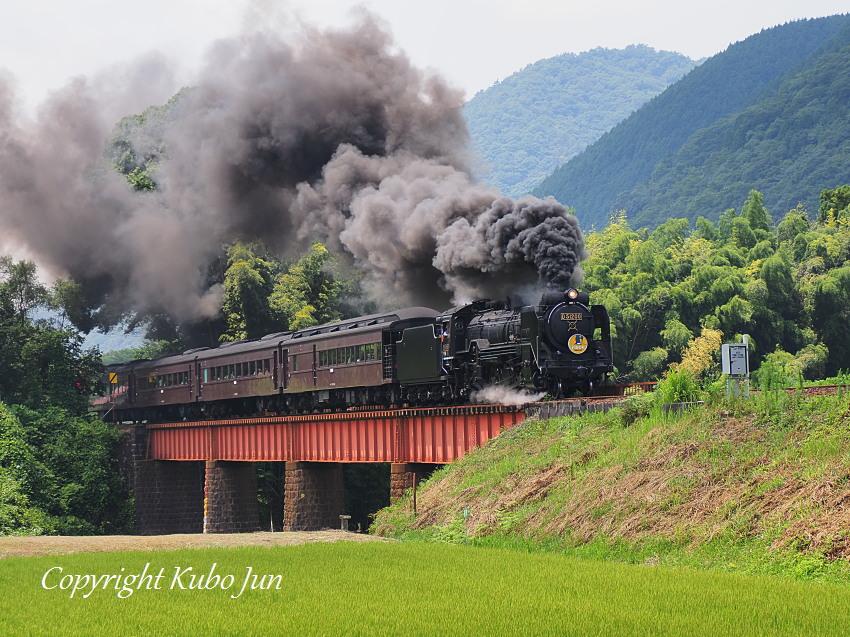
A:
<point x="414" y="356"/>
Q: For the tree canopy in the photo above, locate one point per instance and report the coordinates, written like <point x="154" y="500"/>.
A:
<point x="264" y="294"/>
<point x="58" y="467"/>
<point x="675" y="290"/>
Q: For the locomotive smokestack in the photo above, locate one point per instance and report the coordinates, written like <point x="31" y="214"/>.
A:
<point x="551" y="296"/>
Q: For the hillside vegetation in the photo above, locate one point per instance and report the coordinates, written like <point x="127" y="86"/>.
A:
<point x="758" y="485"/>
<point x="794" y="140"/>
<point x="525" y="126"/>
<point x="676" y="293"/>
<point x="665" y="141"/>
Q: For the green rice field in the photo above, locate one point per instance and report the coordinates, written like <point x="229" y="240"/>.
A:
<point x="407" y="588"/>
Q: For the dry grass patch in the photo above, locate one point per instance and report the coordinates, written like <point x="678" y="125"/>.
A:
<point x="25" y="546"/>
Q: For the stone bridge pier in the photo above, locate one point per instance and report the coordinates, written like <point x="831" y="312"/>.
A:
<point x="406" y="475"/>
<point x="178" y="496"/>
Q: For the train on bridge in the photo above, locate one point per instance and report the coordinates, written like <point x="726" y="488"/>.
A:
<point x="409" y="357"/>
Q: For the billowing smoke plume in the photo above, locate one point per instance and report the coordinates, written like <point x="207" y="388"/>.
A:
<point x="334" y="137"/>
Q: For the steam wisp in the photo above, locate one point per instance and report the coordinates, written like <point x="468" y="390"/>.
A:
<point x="496" y="395"/>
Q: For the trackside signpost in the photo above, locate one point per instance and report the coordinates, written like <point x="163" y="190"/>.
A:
<point x="735" y="362"/>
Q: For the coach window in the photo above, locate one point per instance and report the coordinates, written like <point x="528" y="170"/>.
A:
<point x="294" y="362"/>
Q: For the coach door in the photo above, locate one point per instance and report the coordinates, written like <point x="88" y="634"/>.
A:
<point x="315" y="368"/>
<point x="131" y="388"/>
<point x="194" y="381"/>
<point x="281" y="368"/>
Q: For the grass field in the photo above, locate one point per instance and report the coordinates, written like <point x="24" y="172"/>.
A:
<point x="402" y="589"/>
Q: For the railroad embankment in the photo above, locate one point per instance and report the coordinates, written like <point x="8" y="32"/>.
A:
<point x="759" y="485"/>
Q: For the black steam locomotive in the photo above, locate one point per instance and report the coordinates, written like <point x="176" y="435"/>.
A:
<point x="415" y="356"/>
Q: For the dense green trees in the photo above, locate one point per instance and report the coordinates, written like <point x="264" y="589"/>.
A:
<point x="786" y="284"/>
<point x="248" y="282"/>
<point x="58" y="468"/>
<point x="264" y="294"/>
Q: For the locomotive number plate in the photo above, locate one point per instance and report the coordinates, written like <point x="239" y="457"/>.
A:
<point x="570" y="316"/>
<point x="577" y="344"/>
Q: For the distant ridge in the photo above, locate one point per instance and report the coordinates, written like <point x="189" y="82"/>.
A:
<point x="617" y="171"/>
<point x="533" y="121"/>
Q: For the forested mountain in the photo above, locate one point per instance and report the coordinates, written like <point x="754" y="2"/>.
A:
<point x="753" y="116"/>
<point x="793" y="142"/>
<point x="525" y="126"/>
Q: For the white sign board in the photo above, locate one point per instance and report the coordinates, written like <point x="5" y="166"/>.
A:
<point x="735" y="359"/>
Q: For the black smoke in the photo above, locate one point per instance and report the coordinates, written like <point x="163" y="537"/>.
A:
<point x="330" y="135"/>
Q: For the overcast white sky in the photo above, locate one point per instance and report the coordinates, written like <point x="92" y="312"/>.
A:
<point x="473" y="43"/>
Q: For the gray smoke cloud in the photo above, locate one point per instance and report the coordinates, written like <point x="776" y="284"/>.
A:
<point x="330" y="135"/>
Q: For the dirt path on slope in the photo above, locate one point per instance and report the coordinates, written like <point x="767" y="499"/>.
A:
<point x="59" y="545"/>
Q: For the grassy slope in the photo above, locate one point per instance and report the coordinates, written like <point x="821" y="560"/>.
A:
<point x="760" y="485"/>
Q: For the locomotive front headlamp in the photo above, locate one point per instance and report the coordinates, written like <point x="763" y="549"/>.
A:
<point x="572" y="294"/>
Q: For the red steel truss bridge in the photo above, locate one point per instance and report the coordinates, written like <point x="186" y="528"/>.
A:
<point x="415" y="435"/>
